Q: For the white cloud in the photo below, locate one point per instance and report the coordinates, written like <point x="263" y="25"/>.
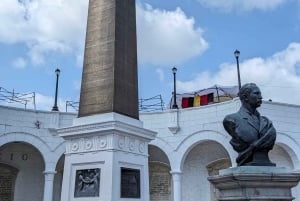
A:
<point x="242" y="5"/>
<point x="278" y="76"/>
<point x="58" y="26"/>
<point x="167" y="37"/>
<point x="46" y="102"/>
<point x="161" y="75"/>
<point x="44" y="26"/>
<point x="20" y="63"/>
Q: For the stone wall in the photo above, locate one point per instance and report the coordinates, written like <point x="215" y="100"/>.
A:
<point x="160" y="182"/>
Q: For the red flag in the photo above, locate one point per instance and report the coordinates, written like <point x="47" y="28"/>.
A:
<point x="204" y="100"/>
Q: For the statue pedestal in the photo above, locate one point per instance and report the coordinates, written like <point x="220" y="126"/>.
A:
<point x="106" y="159"/>
<point x="255" y="183"/>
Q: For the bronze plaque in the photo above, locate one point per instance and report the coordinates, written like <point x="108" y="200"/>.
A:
<point x="130" y="183"/>
<point x="87" y="183"/>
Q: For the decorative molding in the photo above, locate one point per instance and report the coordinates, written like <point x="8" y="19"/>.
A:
<point x="86" y="144"/>
<point x="103" y="143"/>
<point x="121" y="142"/>
<point x="37" y="124"/>
<point x="142" y="147"/>
<point x="174" y="122"/>
<point x="74" y="147"/>
<point x="131" y="145"/>
<point x="124" y="143"/>
<point x="109" y="135"/>
<point x="104" y="128"/>
<point x="174" y="129"/>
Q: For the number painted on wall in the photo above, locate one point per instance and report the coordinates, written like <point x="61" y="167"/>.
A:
<point x="24" y="157"/>
<point x="13" y="156"/>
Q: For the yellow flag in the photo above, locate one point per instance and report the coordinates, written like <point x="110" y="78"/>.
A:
<point x="196" y="101"/>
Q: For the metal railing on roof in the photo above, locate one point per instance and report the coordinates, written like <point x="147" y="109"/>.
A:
<point x="145" y="105"/>
<point x="13" y="97"/>
<point x="72" y="104"/>
<point x="152" y="104"/>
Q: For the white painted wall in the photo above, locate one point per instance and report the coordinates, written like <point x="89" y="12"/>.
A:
<point x="179" y="132"/>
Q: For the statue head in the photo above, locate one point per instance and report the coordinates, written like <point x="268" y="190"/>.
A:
<point x="250" y="95"/>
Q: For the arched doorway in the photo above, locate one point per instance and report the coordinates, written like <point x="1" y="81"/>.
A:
<point x="58" y="178"/>
<point x="204" y="159"/>
<point x="281" y="157"/>
<point x="213" y="168"/>
<point x="159" y="175"/>
<point x="29" y="181"/>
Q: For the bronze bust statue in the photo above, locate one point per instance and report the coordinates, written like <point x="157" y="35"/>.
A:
<point x="253" y="135"/>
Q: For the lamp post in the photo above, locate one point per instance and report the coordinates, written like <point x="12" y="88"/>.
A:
<point x="237" y="54"/>
<point x="174" y="106"/>
<point x="55" y="108"/>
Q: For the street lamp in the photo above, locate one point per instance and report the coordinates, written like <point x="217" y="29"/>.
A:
<point x="175" y="106"/>
<point x="237" y="54"/>
<point x="55" y="108"/>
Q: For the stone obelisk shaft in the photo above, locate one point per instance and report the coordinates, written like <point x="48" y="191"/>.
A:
<point x="109" y="78"/>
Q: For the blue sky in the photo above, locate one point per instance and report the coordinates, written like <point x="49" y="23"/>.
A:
<point x="197" y="36"/>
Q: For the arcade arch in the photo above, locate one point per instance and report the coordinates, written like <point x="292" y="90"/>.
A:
<point x="29" y="182"/>
<point x="284" y="155"/>
<point x="159" y="175"/>
<point x="290" y="147"/>
<point x="281" y="157"/>
<point x="184" y="148"/>
<point x="201" y="159"/>
<point x="57" y="185"/>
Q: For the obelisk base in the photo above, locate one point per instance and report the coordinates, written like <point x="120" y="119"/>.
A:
<point x="255" y="183"/>
<point x="106" y="159"/>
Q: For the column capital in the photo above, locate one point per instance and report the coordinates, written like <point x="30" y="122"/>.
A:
<point x="49" y="172"/>
<point x="173" y="172"/>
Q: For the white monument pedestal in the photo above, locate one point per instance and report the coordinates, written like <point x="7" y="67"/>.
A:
<point x="106" y="159"/>
<point x="255" y="183"/>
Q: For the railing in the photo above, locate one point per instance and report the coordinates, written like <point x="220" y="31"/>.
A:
<point x="74" y="105"/>
<point x="13" y="97"/>
<point x="145" y="105"/>
<point x="151" y="104"/>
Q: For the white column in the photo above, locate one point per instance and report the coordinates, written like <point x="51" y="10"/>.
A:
<point x="48" y="187"/>
<point x="176" y="176"/>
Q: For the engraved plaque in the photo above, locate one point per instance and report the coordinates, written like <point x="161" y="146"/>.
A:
<point x="130" y="183"/>
<point x="87" y="183"/>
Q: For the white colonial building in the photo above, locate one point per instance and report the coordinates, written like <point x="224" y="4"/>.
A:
<point x="191" y="144"/>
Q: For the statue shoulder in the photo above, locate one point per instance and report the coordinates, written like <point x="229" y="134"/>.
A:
<point x="230" y="122"/>
<point x="231" y="117"/>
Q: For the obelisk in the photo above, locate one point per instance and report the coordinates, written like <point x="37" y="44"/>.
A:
<point x="106" y="156"/>
<point x="109" y="79"/>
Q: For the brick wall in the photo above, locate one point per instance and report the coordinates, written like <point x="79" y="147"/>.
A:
<point x="160" y="182"/>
